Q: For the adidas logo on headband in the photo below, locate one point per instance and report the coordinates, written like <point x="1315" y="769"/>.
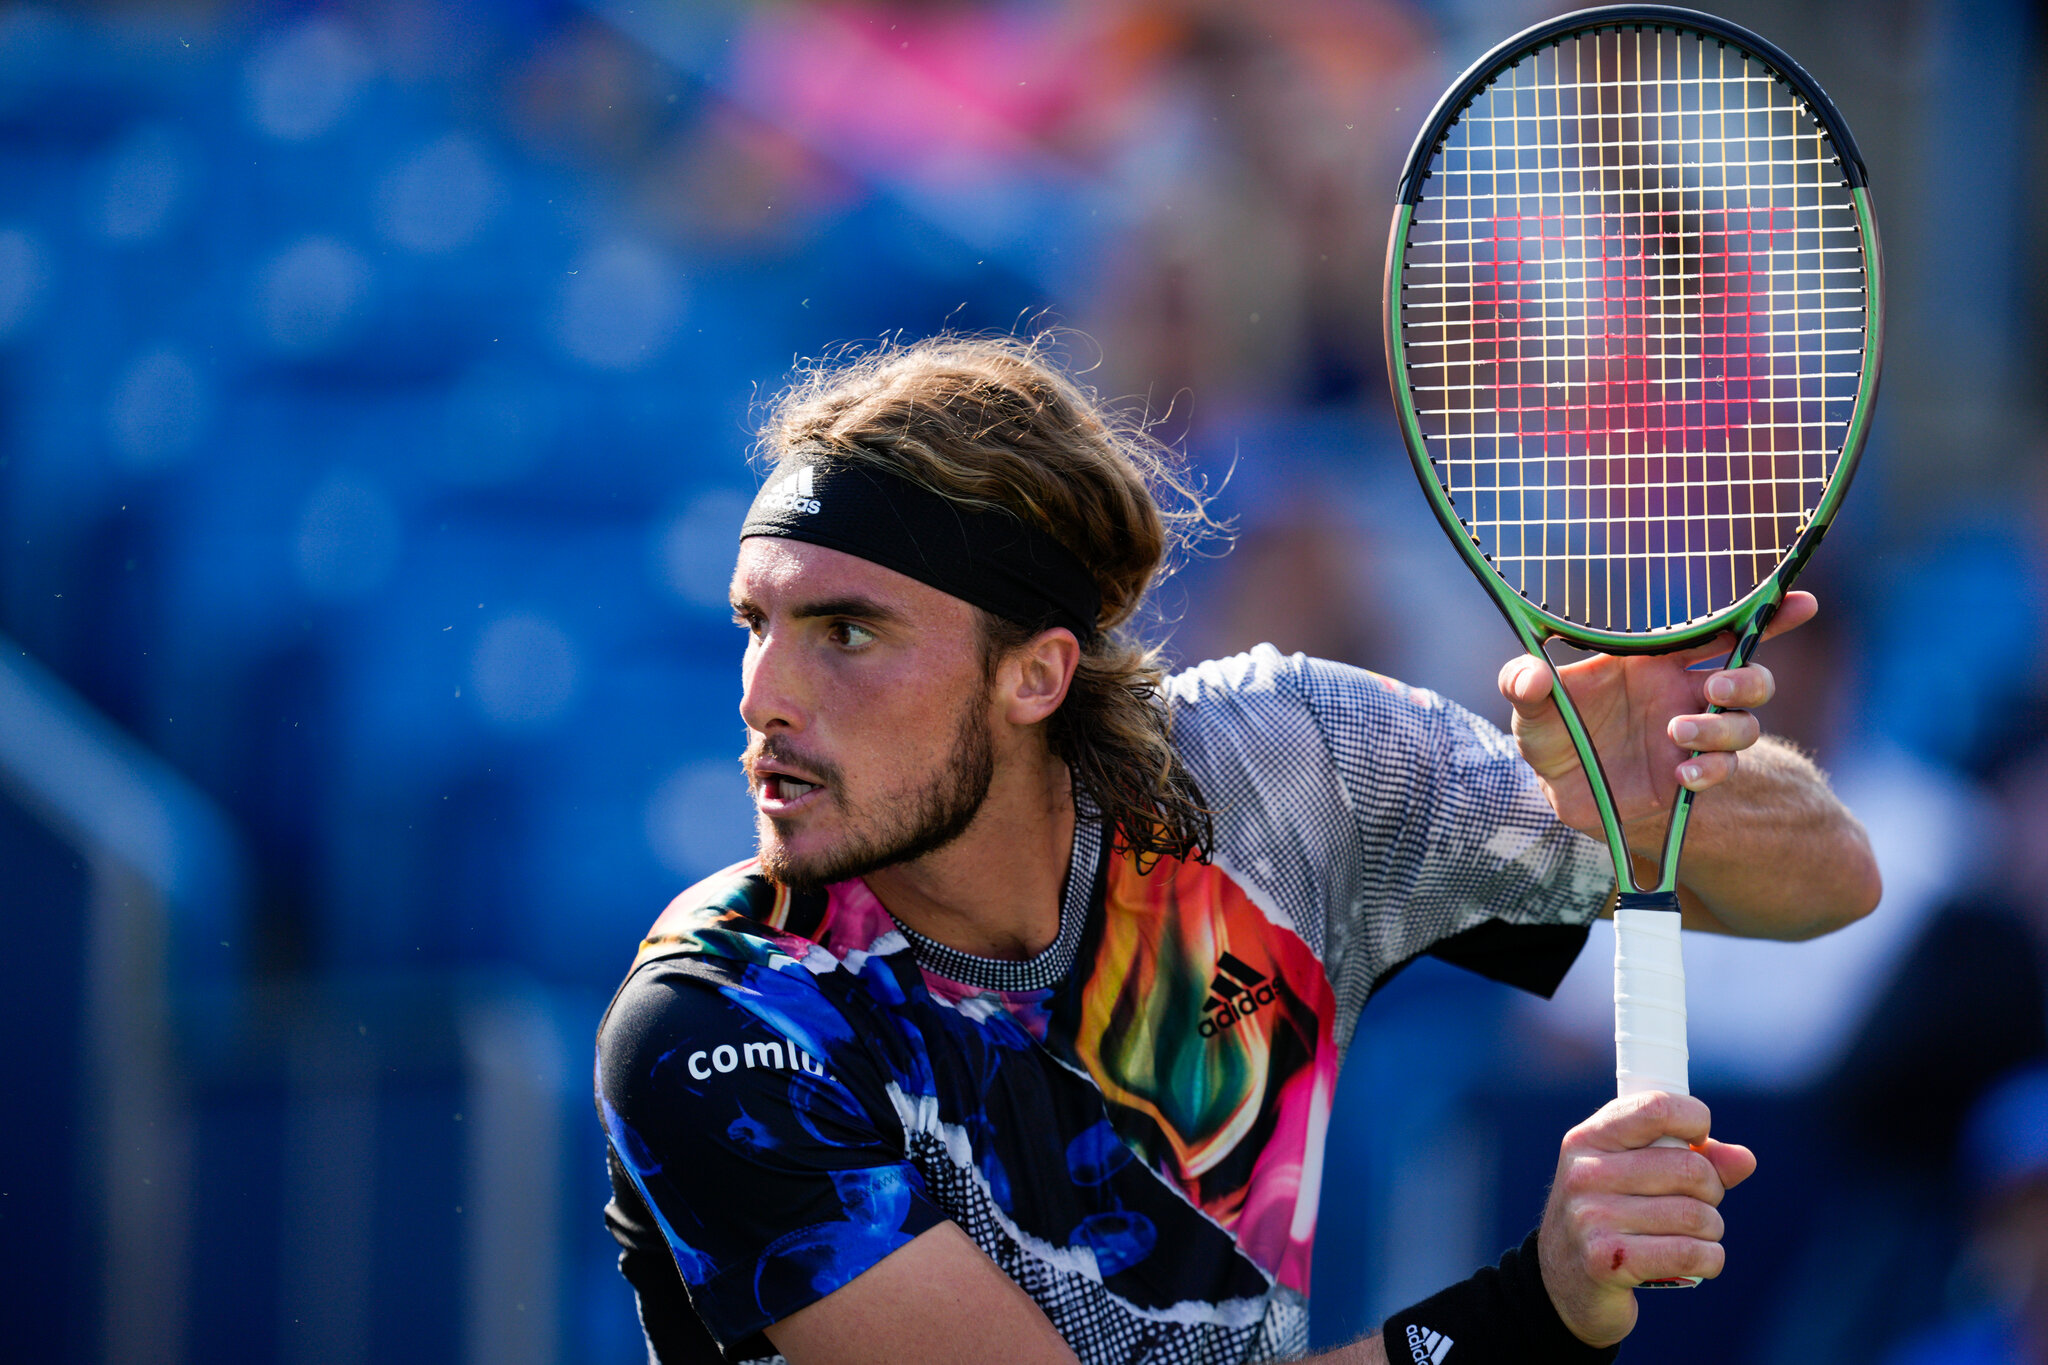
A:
<point x="793" y="494"/>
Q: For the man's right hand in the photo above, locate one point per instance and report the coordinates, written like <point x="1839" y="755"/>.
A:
<point x="1622" y="1211"/>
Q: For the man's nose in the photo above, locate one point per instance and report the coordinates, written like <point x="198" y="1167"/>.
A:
<point x="771" y="691"/>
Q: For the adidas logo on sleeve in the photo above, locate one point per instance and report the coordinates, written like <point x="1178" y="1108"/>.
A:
<point x="1237" y="991"/>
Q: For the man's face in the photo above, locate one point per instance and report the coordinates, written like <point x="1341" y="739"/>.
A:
<point x="867" y="710"/>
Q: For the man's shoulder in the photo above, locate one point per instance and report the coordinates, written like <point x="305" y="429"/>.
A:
<point x="1263" y="703"/>
<point x="728" y="949"/>
<point x="738" y="911"/>
<point x="1264" y="670"/>
<point x="722" y="931"/>
<point x="1260" y="668"/>
<point x="741" y="890"/>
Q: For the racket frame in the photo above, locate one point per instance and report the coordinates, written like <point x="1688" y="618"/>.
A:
<point x="1748" y="617"/>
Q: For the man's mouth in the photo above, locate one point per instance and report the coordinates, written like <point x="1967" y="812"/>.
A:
<point x="785" y="782"/>
<point x="780" y="794"/>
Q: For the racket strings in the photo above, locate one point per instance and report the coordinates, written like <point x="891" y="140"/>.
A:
<point x="1632" y="311"/>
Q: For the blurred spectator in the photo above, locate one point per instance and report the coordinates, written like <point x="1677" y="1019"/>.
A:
<point x="1264" y="148"/>
<point x="2001" y="1283"/>
<point x="1965" y="1007"/>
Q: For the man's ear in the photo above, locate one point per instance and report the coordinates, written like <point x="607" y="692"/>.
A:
<point x="1033" y="680"/>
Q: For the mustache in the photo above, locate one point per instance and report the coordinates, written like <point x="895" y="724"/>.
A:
<point x="772" y="748"/>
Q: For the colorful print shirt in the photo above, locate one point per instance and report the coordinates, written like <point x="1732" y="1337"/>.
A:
<point x="1131" y="1123"/>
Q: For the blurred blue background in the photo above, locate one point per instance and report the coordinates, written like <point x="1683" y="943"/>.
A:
<point x="375" y="388"/>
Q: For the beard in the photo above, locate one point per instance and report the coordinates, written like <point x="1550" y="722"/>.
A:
<point x="901" y="830"/>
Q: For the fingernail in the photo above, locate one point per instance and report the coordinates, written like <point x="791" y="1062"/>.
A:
<point x="1719" y="689"/>
<point x="1689" y="774"/>
<point x="1685" y="732"/>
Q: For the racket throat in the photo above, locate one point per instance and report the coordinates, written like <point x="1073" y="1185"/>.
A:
<point x="1748" y="636"/>
<point x="1595" y="772"/>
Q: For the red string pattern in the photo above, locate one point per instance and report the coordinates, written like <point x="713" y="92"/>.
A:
<point x="1632" y="306"/>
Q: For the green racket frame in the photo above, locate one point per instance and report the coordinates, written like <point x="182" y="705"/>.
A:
<point x="1533" y="626"/>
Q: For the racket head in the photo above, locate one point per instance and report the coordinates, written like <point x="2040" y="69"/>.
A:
<point x="1633" y="319"/>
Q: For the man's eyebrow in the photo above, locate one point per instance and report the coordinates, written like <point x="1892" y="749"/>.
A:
<point x="864" y="608"/>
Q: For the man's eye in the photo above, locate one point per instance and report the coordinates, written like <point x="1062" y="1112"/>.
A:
<point x="747" y="621"/>
<point x="850" y="635"/>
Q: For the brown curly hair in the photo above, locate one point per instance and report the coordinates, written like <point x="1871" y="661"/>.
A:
<point x="997" y="421"/>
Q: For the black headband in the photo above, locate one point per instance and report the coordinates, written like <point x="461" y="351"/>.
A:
<point x="981" y="555"/>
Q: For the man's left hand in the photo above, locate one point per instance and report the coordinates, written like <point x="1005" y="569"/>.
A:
<point x="1646" y="714"/>
<point x="1622" y="1211"/>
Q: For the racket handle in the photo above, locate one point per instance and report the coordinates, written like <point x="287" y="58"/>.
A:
<point x="1649" y="995"/>
<point x="1649" y="1010"/>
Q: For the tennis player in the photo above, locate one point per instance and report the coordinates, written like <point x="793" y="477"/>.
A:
<point x="1016" y="1039"/>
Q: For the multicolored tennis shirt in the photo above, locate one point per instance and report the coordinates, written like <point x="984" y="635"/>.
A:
<point x="1131" y="1123"/>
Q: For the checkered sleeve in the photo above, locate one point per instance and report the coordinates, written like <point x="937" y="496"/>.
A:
<point x="1385" y="822"/>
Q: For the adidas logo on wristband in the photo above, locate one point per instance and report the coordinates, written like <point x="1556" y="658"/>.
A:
<point x="1427" y="1347"/>
<point x="1502" y="1313"/>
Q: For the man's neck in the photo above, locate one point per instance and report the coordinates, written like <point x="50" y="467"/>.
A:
<point x="995" y="890"/>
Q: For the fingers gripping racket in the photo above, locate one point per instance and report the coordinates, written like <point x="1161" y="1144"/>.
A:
<point x="1633" y="316"/>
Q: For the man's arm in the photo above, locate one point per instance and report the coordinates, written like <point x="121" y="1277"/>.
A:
<point x="1770" y="852"/>
<point x="1620" y="1212"/>
<point x="939" y="1298"/>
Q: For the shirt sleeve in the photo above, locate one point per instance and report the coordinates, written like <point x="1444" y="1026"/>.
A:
<point x="675" y="1334"/>
<point x="774" y="1176"/>
<point x="1447" y="807"/>
<point x="1385" y="821"/>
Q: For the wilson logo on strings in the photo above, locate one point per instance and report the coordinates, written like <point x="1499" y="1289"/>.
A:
<point x="1238" y="991"/>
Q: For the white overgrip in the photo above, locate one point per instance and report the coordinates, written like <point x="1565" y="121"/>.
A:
<point x="1649" y="1019"/>
<point x="1649" y="1003"/>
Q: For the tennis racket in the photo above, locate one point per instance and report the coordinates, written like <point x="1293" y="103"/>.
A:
<point x="1633" y="320"/>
